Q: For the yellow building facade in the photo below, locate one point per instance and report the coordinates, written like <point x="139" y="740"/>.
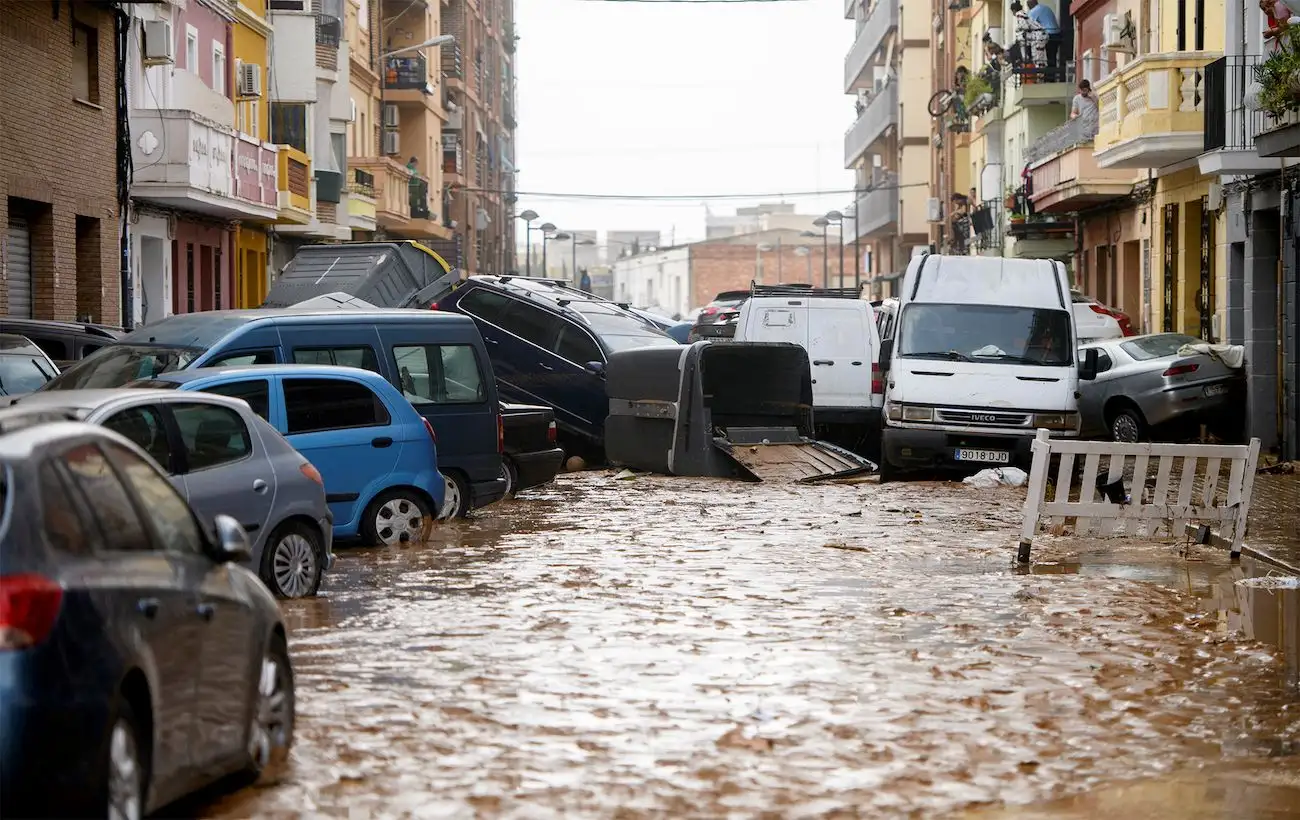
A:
<point x="252" y="34"/>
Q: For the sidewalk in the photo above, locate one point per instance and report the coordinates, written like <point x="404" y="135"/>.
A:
<point x="1273" y="533"/>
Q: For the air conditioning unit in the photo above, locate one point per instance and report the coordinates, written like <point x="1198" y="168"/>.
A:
<point x="934" y="209"/>
<point x="250" y="80"/>
<point x="391" y="117"/>
<point x="159" y="45"/>
<point x="1112" y="31"/>
<point x="392" y="143"/>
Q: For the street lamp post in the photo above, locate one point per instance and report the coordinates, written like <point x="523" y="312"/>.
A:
<point x="562" y="236"/>
<point x="803" y="251"/>
<point x="547" y="229"/>
<point x="576" y="242"/>
<point x="857" y="250"/>
<point x="836" y="218"/>
<point x="822" y="222"/>
<point x="759" y="250"/>
<point x="528" y="216"/>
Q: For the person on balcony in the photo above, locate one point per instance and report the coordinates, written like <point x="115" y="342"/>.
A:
<point x="1084" y="108"/>
<point x="1046" y="20"/>
<point x="1277" y="19"/>
<point x="1029" y="51"/>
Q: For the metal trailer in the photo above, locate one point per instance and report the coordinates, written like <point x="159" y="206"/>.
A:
<point x="722" y="409"/>
<point x="398" y="274"/>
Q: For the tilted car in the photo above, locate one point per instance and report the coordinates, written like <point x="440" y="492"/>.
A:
<point x="24" y="367"/>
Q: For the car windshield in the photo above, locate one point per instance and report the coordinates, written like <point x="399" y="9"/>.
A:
<point x="1159" y="346"/>
<point x="21" y="373"/>
<point x="117" y="365"/>
<point x="621" y="331"/>
<point x="986" y="333"/>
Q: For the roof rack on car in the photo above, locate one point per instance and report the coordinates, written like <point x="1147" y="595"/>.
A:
<point x="756" y="289"/>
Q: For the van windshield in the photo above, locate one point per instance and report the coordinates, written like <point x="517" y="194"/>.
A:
<point x="997" y="334"/>
<point x="117" y="365"/>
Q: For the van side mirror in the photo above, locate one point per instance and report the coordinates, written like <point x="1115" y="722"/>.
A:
<point x="886" y="353"/>
<point x="1088" y="367"/>
<point x="595" y="368"/>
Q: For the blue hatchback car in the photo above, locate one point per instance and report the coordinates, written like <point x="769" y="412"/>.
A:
<point x="376" y="453"/>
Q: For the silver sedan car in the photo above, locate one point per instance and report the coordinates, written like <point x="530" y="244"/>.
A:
<point x="225" y="460"/>
<point x="1145" y="389"/>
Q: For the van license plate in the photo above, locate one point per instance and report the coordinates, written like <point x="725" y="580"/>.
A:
<point x="1216" y="389"/>
<point x="985" y="456"/>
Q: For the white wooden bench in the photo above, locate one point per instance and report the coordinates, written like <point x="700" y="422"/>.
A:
<point x="1162" y="509"/>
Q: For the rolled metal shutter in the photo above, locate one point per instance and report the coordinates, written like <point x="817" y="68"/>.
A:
<point x="19" y="268"/>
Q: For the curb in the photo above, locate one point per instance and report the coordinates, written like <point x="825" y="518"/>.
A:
<point x="1263" y="555"/>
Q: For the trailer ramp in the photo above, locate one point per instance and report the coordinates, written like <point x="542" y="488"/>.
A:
<point x="780" y="454"/>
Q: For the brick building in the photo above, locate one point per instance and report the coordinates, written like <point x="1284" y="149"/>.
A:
<point x="59" y="253"/>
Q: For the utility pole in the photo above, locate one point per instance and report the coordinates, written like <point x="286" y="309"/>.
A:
<point x="857" y="251"/>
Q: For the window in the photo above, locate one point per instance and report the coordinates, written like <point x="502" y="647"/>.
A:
<point x="143" y="426"/>
<point x="171" y="516"/>
<point x="85" y="63"/>
<point x="23" y="374"/>
<point x="192" y="49"/>
<point x="318" y="404"/>
<point x="441" y="374"/>
<point x="289" y="125"/>
<point x="338" y="144"/>
<point x="55" y="349"/>
<point x="241" y="358"/>
<point x="119" y="522"/>
<point x="65" y="530"/>
<point x="362" y="357"/>
<point x="211" y="435"/>
<point x="257" y="392"/>
<point x="531" y="324"/>
<point x="486" y="305"/>
<point x="1155" y="347"/>
<point x="577" y="346"/>
<point x="363" y="15"/>
<point x="219" y="68"/>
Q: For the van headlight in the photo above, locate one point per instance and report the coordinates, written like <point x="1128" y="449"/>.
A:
<point x="922" y="414"/>
<point x="1056" y="421"/>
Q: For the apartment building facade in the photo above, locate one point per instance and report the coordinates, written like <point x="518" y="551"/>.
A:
<point x="60" y="255"/>
<point x="888" y="69"/>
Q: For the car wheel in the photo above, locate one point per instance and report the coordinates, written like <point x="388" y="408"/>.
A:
<point x="456" y="502"/>
<point x="887" y="471"/>
<point x="294" y="561"/>
<point x="396" y="517"/>
<point x="1127" y="426"/>
<point x="270" y="730"/>
<point x="511" y="474"/>
<point x="125" y="775"/>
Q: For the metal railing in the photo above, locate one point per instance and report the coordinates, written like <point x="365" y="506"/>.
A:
<point x="1070" y="134"/>
<point x="419" y="195"/>
<point x="406" y="72"/>
<point x="1229" y="123"/>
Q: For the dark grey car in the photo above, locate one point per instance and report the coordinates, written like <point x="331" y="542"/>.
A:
<point x="225" y="460"/>
<point x="1145" y="388"/>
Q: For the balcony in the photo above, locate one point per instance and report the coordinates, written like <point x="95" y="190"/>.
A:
<point x="186" y="161"/>
<point x="453" y="160"/>
<point x="391" y="183"/>
<point x="424" y="222"/>
<point x="1230" y="125"/>
<point x="877" y="210"/>
<point x="876" y="119"/>
<point x="1065" y="174"/>
<point x="406" y="80"/>
<point x="1037" y="238"/>
<point x="361" y="200"/>
<point x="1040" y="85"/>
<point x="1153" y="111"/>
<point x="294" y="186"/>
<point x="880" y="23"/>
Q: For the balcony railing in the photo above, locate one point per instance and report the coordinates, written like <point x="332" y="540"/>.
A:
<point x="361" y="183"/>
<point x="418" y="189"/>
<point x="1229" y="123"/>
<point x="1070" y="134"/>
<point x="877" y="209"/>
<point x="392" y="188"/>
<point x="407" y="72"/>
<point x="452" y="65"/>
<point x="882" y="21"/>
<point x="1152" y="111"/>
<point x="875" y="120"/>
<point x="294" y="181"/>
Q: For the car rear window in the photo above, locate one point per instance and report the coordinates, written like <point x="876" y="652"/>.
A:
<point x="1157" y="347"/>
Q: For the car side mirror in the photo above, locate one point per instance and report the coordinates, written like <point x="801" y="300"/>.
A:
<point x="1088" y="367"/>
<point x="232" y="542"/>
<point x="886" y="353"/>
<point x="595" y="368"/>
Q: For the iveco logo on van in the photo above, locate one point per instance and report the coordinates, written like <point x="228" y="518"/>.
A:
<point x="984" y="418"/>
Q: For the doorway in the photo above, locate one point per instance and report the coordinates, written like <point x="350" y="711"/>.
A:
<point x="154" y="276"/>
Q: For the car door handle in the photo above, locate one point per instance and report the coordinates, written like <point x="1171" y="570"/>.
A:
<point x="381" y="442"/>
<point x="545" y="366"/>
<point x="826" y="362"/>
<point x="857" y="364"/>
<point x="147" y="607"/>
<point x="206" y="611"/>
<point x="489" y="341"/>
<point x="259" y="486"/>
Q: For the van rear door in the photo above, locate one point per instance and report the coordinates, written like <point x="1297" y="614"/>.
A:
<point x="772" y="319"/>
<point x="841" y="349"/>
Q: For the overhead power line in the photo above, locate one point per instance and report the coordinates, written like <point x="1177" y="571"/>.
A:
<point x="689" y="197"/>
<point x="695" y="2"/>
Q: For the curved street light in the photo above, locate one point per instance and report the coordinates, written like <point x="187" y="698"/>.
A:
<point x="548" y="230"/>
<point x="527" y="216"/>
<point x="822" y="222"/>
<point x="836" y="218"/>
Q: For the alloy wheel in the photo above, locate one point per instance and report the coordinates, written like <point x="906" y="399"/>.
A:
<point x="451" y="503"/>
<point x="399" y="520"/>
<point x="269" y="733"/>
<point x="294" y="565"/>
<point x="125" y="774"/>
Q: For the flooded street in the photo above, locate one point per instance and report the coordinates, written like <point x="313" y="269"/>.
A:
<point x="677" y="647"/>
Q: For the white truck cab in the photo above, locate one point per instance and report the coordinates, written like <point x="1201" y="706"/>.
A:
<point x="981" y="354"/>
<point x="838" y="329"/>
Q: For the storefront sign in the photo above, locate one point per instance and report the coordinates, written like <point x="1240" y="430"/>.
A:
<point x="248" y="176"/>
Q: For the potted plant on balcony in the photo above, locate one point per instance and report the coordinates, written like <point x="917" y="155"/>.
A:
<point x="979" y="97"/>
<point x="1278" y="78"/>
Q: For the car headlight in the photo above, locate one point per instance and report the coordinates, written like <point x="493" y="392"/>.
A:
<point x="918" y="413"/>
<point x="1056" y="421"/>
<point x="894" y="412"/>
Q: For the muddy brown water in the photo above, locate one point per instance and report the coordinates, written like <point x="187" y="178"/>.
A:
<point x="666" y="647"/>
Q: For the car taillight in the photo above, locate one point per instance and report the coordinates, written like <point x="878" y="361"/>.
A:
<point x="308" y="469"/>
<point x="1125" y="324"/>
<point x="710" y="310"/>
<point x="433" y="307"/>
<point x="552" y="433"/>
<point x="1180" y="369"/>
<point x="501" y="433"/>
<point x="29" y="607"/>
<point x="428" y="428"/>
<point x="877" y="383"/>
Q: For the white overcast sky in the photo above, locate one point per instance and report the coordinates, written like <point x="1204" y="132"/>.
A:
<point x="678" y="98"/>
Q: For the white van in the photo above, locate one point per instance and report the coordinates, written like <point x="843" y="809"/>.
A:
<point x="981" y="355"/>
<point x="839" y="332"/>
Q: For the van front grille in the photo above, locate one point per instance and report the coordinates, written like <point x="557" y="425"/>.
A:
<point x="984" y="418"/>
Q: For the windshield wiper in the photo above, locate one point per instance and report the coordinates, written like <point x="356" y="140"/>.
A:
<point x="1010" y="357"/>
<point x="951" y="355"/>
